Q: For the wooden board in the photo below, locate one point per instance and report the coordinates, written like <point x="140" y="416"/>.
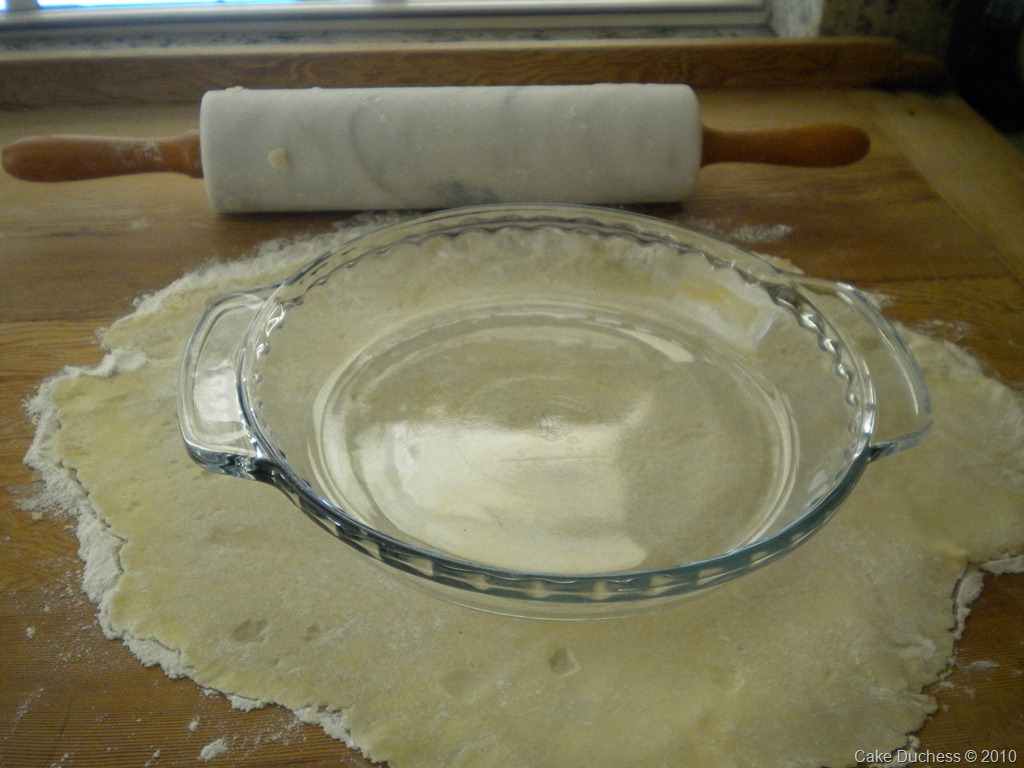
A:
<point x="183" y="74"/>
<point x="934" y="217"/>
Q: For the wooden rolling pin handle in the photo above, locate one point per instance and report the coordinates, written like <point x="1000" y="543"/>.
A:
<point x="812" y="146"/>
<point x="72" y="158"/>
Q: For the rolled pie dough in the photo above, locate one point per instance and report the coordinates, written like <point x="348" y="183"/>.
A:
<point x="801" y="664"/>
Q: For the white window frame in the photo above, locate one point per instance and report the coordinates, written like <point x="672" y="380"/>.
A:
<point x="26" y="16"/>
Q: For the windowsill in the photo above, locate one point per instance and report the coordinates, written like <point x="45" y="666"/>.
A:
<point x="43" y="44"/>
<point x="319" y="24"/>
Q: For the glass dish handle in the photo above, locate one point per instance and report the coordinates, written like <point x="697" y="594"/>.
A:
<point x="210" y="411"/>
<point x="903" y="416"/>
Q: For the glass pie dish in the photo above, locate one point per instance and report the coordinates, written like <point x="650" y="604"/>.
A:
<point x="552" y="411"/>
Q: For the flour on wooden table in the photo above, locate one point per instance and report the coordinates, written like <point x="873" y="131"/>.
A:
<point x="214" y="750"/>
<point x="744" y="235"/>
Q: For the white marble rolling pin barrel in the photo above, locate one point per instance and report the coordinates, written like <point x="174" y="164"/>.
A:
<point x="438" y="147"/>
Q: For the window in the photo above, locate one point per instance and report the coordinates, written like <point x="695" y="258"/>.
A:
<point x="387" y="15"/>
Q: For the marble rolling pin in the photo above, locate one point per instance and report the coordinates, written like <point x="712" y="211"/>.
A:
<point x="438" y="147"/>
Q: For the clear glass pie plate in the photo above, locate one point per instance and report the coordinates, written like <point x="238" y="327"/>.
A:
<point x="552" y="411"/>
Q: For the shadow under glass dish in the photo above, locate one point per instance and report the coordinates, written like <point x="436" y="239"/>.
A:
<point x="552" y="411"/>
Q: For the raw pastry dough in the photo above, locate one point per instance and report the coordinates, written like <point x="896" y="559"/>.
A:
<point x="801" y="664"/>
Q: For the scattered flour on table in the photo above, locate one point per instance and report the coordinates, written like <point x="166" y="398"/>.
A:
<point x="745" y="234"/>
<point x="26" y="705"/>
<point x="982" y="665"/>
<point x="214" y="750"/>
<point x="761" y="233"/>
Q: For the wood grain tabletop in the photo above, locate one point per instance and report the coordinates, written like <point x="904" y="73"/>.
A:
<point x="933" y="217"/>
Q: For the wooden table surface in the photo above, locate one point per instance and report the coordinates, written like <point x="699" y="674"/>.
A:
<point x="933" y="217"/>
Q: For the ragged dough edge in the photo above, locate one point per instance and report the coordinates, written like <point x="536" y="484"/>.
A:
<point x="272" y="260"/>
<point x="244" y="703"/>
<point x="971" y="583"/>
<point x="60" y="492"/>
<point x="333" y="723"/>
<point x="966" y="591"/>
<point x="1009" y="564"/>
<point x="99" y="548"/>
